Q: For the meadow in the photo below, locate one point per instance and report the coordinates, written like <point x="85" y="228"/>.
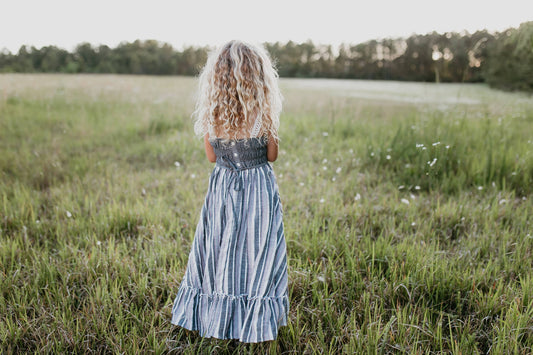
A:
<point x="408" y="214"/>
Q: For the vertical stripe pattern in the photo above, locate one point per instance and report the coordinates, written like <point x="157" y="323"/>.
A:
<point x="235" y="284"/>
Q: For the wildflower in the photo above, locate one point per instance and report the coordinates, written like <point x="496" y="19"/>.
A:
<point x="447" y="147"/>
<point x="321" y="278"/>
<point x="401" y="187"/>
<point x="435" y="144"/>
<point x="480" y="188"/>
<point x="333" y="178"/>
<point x="177" y="164"/>
<point x="424" y="148"/>
<point x="193" y="176"/>
<point x="417" y="187"/>
<point x="412" y="196"/>
<point x="322" y="200"/>
<point x="432" y="162"/>
<point x="339" y="169"/>
<point x="325" y="134"/>
<point x="98" y="242"/>
<point x="302" y="184"/>
<point x="68" y="214"/>
<point x="413" y="224"/>
<point x="406" y="201"/>
<point x="351" y="151"/>
<point x="357" y="197"/>
<point x="372" y="154"/>
<point x="324" y="161"/>
<point x="502" y="201"/>
<point x="388" y="157"/>
<point x="143" y="192"/>
<point x="324" y="168"/>
<point x="419" y="145"/>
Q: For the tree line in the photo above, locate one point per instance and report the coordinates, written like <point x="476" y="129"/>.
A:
<point x="503" y="60"/>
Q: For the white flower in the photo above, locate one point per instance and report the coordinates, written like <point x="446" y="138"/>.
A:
<point x="432" y="162"/>
<point x="324" y="161"/>
<point x="322" y="200"/>
<point x="423" y="148"/>
<point x="68" y="214"/>
<point x="321" y="278"/>
<point x="412" y="196"/>
<point x="177" y="164"/>
<point x="388" y="157"/>
<point x="339" y="169"/>
<point x="143" y="192"/>
<point x="357" y="197"/>
<point x="419" y="145"/>
<point x="372" y="154"/>
<point x="193" y="176"/>
<point x="480" y="188"/>
<point x="417" y="187"/>
<point x="325" y="134"/>
<point x="502" y="201"/>
<point x="324" y="168"/>
<point x="435" y="144"/>
<point x="406" y="201"/>
<point x="98" y="242"/>
<point x="302" y="184"/>
<point x="413" y="224"/>
<point x="447" y="147"/>
<point x="400" y="187"/>
<point x="351" y="151"/>
<point x="333" y="178"/>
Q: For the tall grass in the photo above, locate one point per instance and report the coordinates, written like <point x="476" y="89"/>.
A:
<point x="408" y="224"/>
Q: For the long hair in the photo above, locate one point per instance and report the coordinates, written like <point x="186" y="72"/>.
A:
<point x="238" y="93"/>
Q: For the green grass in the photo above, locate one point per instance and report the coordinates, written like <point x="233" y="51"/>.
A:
<point x="390" y="250"/>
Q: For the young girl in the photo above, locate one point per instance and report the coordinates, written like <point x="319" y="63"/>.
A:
<point x="235" y="285"/>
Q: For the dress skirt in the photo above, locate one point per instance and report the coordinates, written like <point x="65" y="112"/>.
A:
<point x="235" y="284"/>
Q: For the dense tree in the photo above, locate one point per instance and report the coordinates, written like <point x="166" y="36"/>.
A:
<point x="505" y="59"/>
<point x="510" y="59"/>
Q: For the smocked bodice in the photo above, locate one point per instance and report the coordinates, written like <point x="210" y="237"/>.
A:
<point x="240" y="153"/>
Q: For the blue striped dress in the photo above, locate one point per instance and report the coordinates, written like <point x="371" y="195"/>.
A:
<point x="235" y="284"/>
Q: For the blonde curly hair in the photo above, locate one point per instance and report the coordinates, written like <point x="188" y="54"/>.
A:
<point x="238" y="94"/>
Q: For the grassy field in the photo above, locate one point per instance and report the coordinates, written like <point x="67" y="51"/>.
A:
<point x="408" y="216"/>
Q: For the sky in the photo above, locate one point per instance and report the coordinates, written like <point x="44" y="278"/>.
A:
<point x="66" y="23"/>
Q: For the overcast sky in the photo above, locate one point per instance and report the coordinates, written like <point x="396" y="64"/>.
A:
<point x="65" y="23"/>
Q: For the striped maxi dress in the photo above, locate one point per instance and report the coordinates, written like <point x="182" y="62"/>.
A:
<point x="235" y="284"/>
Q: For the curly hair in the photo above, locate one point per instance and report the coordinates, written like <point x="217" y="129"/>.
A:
<point x="238" y="94"/>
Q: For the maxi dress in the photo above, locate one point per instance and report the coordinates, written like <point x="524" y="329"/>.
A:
<point x="235" y="284"/>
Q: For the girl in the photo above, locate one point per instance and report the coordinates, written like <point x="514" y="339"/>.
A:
<point x="235" y="285"/>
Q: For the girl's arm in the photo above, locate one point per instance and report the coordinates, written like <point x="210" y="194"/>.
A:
<point x="272" y="149"/>
<point x="209" y="152"/>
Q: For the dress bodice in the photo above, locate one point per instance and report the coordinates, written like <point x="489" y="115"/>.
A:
<point x="240" y="153"/>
